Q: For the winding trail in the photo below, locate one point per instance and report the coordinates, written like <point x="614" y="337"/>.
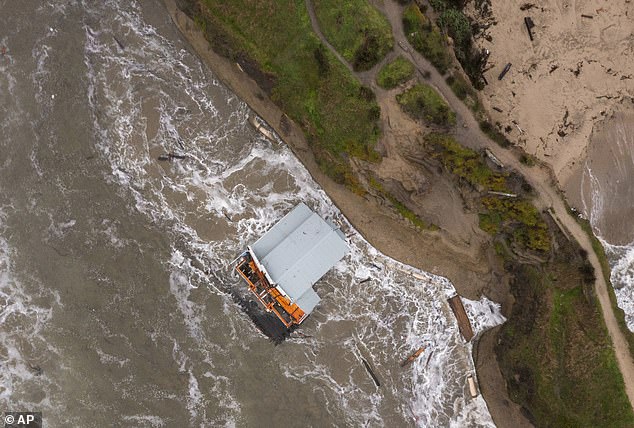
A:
<point x="541" y="178"/>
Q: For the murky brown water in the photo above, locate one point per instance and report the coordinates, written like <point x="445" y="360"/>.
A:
<point x="114" y="281"/>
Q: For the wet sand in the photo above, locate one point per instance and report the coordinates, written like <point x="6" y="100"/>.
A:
<point x="602" y="187"/>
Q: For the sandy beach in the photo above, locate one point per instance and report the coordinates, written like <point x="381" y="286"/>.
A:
<point x="575" y="72"/>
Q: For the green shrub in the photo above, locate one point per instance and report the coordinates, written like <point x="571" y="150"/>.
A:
<point x="356" y="29"/>
<point x="421" y="101"/>
<point x="426" y="38"/>
<point x="454" y="22"/>
<point x="494" y="134"/>
<point x="464" y="91"/>
<point x="514" y="218"/>
<point x="396" y="72"/>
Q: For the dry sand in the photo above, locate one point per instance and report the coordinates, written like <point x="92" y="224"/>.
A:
<point x="573" y="74"/>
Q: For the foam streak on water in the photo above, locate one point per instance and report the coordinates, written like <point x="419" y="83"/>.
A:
<point x="21" y="342"/>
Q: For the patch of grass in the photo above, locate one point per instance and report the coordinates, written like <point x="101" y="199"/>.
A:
<point x="396" y="72"/>
<point x="421" y="101"/>
<point x="465" y="163"/>
<point x="356" y="29"/>
<point x="276" y="46"/>
<point x="527" y="159"/>
<point x="405" y="212"/>
<point x="494" y="134"/>
<point x="516" y="218"/>
<point x="555" y="352"/>
<point x="464" y="91"/>
<point x="409" y="214"/>
<point x="426" y="38"/>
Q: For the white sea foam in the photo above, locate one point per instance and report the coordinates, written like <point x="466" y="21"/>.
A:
<point x="621" y="259"/>
<point x="22" y="322"/>
<point x="145" y="420"/>
<point x="195" y="399"/>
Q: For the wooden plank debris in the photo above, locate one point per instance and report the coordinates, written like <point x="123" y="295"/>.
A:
<point x="464" y="325"/>
<point x="429" y="359"/>
<point x="473" y="389"/>
<point x="370" y="372"/>
<point x="508" y="195"/>
<point x="121" y="46"/>
<point x="259" y="126"/>
<point x="171" y="156"/>
<point x="506" y="69"/>
<point x="412" y="357"/>
<point x="529" y="26"/>
<point x="493" y="158"/>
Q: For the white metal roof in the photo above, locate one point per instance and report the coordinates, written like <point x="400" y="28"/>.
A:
<point x="297" y="251"/>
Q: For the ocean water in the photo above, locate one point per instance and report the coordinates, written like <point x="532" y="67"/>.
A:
<point x="607" y="195"/>
<point x="115" y="272"/>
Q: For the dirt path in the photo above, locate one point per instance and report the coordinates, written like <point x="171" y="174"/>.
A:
<point x="458" y="232"/>
<point x="366" y="77"/>
<point x="541" y="178"/>
<point x="468" y="132"/>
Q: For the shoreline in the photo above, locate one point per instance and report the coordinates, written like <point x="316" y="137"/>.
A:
<point x="569" y="78"/>
<point x="392" y="236"/>
<point x="428" y="251"/>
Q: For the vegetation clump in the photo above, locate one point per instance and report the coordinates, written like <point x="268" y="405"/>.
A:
<point x="464" y="91"/>
<point x="421" y="101"/>
<point x="426" y="38"/>
<point x="455" y="23"/>
<point x="274" y="43"/>
<point x="514" y="219"/>
<point x="465" y="163"/>
<point x="394" y="73"/>
<point x="494" y="134"/>
<point x="356" y="29"/>
<point x="554" y="350"/>
<point x="405" y="212"/>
